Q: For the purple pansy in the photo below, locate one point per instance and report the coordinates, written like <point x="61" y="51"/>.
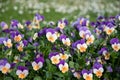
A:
<point x="63" y="66"/>
<point x="109" y="69"/>
<point x="39" y="17"/>
<point x="22" y="72"/>
<point x="98" y="69"/>
<point x="87" y="74"/>
<point x="115" y="42"/>
<point x="105" y="53"/>
<point x="81" y="45"/>
<point x="14" y="24"/>
<point x="16" y="36"/>
<point x="62" y="23"/>
<point x="65" y="40"/>
<point x="38" y="63"/>
<point x="4" y="66"/>
<point x="54" y="57"/>
<point x="4" y="25"/>
<point x="51" y="35"/>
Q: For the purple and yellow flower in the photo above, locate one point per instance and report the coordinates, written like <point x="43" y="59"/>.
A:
<point x="98" y="69"/>
<point x="87" y="74"/>
<point x="64" y="56"/>
<point x="105" y="53"/>
<point x="28" y="25"/>
<point x="62" y="23"/>
<point x="83" y="21"/>
<point x="65" y="40"/>
<point x="16" y="36"/>
<point x="14" y="24"/>
<point x="83" y="31"/>
<point x="4" y="25"/>
<point x="54" y="57"/>
<point x="8" y="43"/>
<point x="4" y="66"/>
<point x="77" y="74"/>
<point x="81" y="45"/>
<point x="109" y="28"/>
<point x="22" y="72"/>
<point x="115" y="42"/>
<point x="51" y="35"/>
<point x="90" y="38"/>
<point x="63" y="66"/>
<point x="38" y="63"/>
<point x="38" y="18"/>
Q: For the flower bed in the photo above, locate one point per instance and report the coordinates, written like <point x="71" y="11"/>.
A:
<point x="84" y="50"/>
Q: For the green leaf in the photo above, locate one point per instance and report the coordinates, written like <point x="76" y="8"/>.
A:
<point x="8" y="78"/>
<point x="71" y="64"/>
<point x="37" y="78"/>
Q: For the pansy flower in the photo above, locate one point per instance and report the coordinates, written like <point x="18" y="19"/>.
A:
<point x="87" y="74"/>
<point x="62" y="23"/>
<point x="14" y="24"/>
<point x="105" y="53"/>
<point x="51" y="35"/>
<point x="28" y="25"/>
<point x="83" y="31"/>
<point x="16" y="36"/>
<point x="4" y="66"/>
<point x="77" y="74"/>
<point x="38" y="18"/>
<point x="3" y="39"/>
<point x="65" y="40"/>
<point x="22" y="72"/>
<point x="118" y="17"/>
<point x="38" y="63"/>
<point x="115" y="42"/>
<point x="109" y="28"/>
<point x="64" y="56"/>
<point x="54" y="57"/>
<point x="63" y="66"/>
<point x="35" y="36"/>
<point x="81" y="45"/>
<point x="4" y="25"/>
<point x="8" y="43"/>
<point x="90" y="38"/>
<point x="98" y="69"/>
<point x="20" y="26"/>
<point x="83" y="21"/>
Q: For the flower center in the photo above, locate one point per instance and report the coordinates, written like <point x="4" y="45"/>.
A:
<point x="5" y="70"/>
<point x="36" y="67"/>
<point x="64" y="69"/>
<point x="99" y="73"/>
<point x="22" y="75"/>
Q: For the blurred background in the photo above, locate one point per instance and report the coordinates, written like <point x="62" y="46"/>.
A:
<point x="53" y="10"/>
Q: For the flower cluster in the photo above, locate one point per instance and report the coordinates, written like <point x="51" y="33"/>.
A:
<point x="35" y="51"/>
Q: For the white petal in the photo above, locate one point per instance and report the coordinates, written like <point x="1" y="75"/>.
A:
<point x="60" y="66"/>
<point x="40" y="64"/>
<point x="94" y="71"/>
<point x="78" y="46"/>
<point x="101" y="69"/>
<point x="84" y="75"/>
<point x="91" y="75"/>
<point x="9" y="40"/>
<point x="54" y="36"/>
<point x="18" y="72"/>
<point x="48" y="34"/>
<point x="26" y="72"/>
<point x="34" y="63"/>
<point x="1" y="67"/>
<point x="7" y="65"/>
